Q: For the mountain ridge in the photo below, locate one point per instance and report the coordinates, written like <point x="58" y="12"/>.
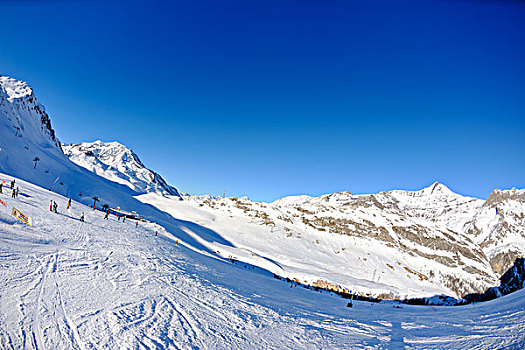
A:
<point x="118" y="163"/>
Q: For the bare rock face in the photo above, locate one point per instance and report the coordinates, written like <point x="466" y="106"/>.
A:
<point x="499" y="196"/>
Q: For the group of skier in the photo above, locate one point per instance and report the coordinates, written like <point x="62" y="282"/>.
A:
<point x="106" y="217"/>
<point x="53" y="206"/>
<point x="14" y="191"/>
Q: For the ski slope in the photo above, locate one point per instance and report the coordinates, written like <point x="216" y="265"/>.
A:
<point x="111" y="284"/>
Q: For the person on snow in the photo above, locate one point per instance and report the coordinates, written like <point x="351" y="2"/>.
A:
<point x="106" y="216"/>
<point x="82" y="217"/>
<point x="51" y="206"/>
<point x="17" y="191"/>
<point x="1" y="187"/>
<point x="137" y="224"/>
<point x="13" y="193"/>
<point x="13" y="184"/>
<point x="68" y="204"/>
<point x="55" y="207"/>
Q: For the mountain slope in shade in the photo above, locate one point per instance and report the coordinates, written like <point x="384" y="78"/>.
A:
<point x="118" y="163"/>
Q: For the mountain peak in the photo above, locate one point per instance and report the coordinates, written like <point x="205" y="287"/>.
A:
<point x="118" y="163"/>
<point x="436" y="188"/>
<point x="14" y="88"/>
<point x="25" y="118"/>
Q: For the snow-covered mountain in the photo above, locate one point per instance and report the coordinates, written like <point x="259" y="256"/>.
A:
<point x="209" y="271"/>
<point x="391" y="244"/>
<point x="118" y="163"/>
<point x="30" y="150"/>
<point x="23" y="122"/>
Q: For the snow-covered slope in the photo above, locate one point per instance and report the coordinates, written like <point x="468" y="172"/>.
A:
<point x="118" y="163"/>
<point x="394" y="244"/>
<point x="30" y="150"/>
<point x="111" y="284"/>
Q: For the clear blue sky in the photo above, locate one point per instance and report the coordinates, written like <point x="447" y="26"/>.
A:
<point x="274" y="98"/>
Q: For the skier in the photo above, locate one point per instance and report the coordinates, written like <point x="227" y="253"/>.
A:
<point x="13" y="184"/>
<point x="68" y="204"/>
<point x="82" y="217"/>
<point x="136" y="224"/>
<point x="17" y="191"/>
<point x="106" y="216"/>
<point x="155" y="233"/>
<point x="13" y="193"/>
<point x="51" y="206"/>
<point x="55" y="206"/>
<point x="1" y="187"/>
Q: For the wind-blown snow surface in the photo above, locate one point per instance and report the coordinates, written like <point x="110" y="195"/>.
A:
<point x="109" y="284"/>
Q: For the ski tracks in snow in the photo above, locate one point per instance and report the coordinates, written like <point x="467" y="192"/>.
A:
<point x="43" y="312"/>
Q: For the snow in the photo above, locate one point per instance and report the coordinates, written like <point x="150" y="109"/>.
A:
<point x="309" y="256"/>
<point x="15" y="88"/>
<point x="280" y="236"/>
<point x="117" y="163"/>
<point x="112" y="284"/>
<point x="105" y="283"/>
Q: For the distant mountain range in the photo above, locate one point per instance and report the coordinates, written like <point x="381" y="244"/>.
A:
<point x="432" y="236"/>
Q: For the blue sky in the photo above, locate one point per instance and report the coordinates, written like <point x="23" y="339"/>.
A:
<point x="276" y="98"/>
